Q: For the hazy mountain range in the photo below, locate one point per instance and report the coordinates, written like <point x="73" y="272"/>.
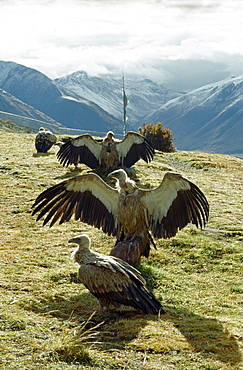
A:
<point x="144" y="96"/>
<point x="40" y="92"/>
<point x="208" y="119"/>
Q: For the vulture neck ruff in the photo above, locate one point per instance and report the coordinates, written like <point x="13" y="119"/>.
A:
<point x="124" y="185"/>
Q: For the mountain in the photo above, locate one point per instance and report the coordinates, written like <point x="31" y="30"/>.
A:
<point x="39" y="91"/>
<point x="209" y="118"/>
<point x="144" y="95"/>
<point x="25" y="115"/>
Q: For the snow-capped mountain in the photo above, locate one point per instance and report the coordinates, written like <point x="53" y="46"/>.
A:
<point x="39" y="91"/>
<point x="209" y="118"/>
<point x="143" y="95"/>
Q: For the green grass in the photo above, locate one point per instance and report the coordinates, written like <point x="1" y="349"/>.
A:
<point x="48" y="320"/>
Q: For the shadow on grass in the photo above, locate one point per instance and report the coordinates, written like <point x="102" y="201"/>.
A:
<point x="36" y="154"/>
<point x="101" y="172"/>
<point x="75" y="171"/>
<point x="117" y="329"/>
<point x="71" y="172"/>
<point x="206" y="335"/>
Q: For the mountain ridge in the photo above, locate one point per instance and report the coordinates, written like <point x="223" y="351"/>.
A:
<point x="208" y="119"/>
<point x="107" y="93"/>
<point x="39" y="91"/>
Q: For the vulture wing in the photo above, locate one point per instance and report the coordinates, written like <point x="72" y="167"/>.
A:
<point x="132" y="148"/>
<point x="82" y="149"/>
<point x="121" y="283"/>
<point x="174" y="204"/>
<point x="87" y="197"/>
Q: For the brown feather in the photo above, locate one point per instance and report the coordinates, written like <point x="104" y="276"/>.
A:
<point x="106" y="153"/>
<point x="112" y="281"/>
<point x="126" y="211"/>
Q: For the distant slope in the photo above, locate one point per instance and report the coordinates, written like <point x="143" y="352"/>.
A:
<point x="23" y="114"/>
<point x="144" y="95"/>
<point x="40" y="92"/>
<point x="208" y="119"/>
<point x="13" y="127"/>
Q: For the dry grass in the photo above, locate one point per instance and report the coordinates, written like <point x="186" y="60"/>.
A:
<point x="45" y="314"/>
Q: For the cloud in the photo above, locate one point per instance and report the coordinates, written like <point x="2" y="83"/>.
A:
<point x="182" y="43"/>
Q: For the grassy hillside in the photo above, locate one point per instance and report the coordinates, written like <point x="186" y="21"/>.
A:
<point x="46" y="317"/>
<point x="13" y="127"/>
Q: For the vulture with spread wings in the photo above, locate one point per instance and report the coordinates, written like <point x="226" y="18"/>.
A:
<point x="112" y="281"/>
<point x="107" y="153"/>
<point x="126" y="211"/>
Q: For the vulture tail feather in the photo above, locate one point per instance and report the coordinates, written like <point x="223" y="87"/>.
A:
<point x="145" y="300"/>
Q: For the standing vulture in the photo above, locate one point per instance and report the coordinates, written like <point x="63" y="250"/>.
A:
<point x="127" y="212"/>
<point x="112" y="281"/>
<point x="107" y="153"/>
<point x="44" y="140"/>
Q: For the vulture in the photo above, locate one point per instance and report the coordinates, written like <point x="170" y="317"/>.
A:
<point x="44" y="140"/>
<point x="112" y="281"/>
<point x="130" y="213"/>
<point x="107" y="153"/>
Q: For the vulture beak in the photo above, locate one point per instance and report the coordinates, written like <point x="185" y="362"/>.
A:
<point x="73" y="240"/>
<point x="80" y="240"/>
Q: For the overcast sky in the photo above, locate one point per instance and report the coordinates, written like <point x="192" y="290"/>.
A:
<point x="182" y="44"/>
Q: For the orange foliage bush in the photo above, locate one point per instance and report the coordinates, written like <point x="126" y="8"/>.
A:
<point x="161" y="138"/>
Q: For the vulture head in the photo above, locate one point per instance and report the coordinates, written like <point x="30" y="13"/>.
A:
<point x="108" y="141"/>
<point x="123" y="181"/>
<point x="83" y="242"/>
<point x="110" y="136"/>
